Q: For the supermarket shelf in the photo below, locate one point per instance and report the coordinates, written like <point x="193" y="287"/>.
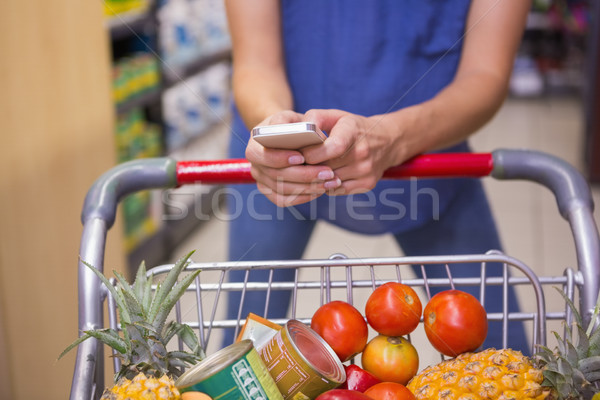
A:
<point x="174" y="74"/>
<point x="158" y="248"/>
<point x="211" y="127"/>
<point x="142" y="100"/>
<point x="129" y="23"/>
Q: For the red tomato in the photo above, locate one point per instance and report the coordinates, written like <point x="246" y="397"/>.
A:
<point x="391" y="359"/>
<point x="389" y="391"/>
<point x="455" y="322"/>
<point x="343" y="327"/>
<point x="393" y="309"/>
<point x="358" y="379"/>
<point x="342" y="394"/>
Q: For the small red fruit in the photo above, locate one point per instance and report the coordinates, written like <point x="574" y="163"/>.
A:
<point x="343" y="394"/>
<point x="343" y="327"/>
<point x="389" y="391"/>
<point x="455" y="322"/>
<point x="358" y="379"/>
<point x="393" y="309"/>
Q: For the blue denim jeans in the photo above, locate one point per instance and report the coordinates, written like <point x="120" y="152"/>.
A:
<point x="465" y="227"/>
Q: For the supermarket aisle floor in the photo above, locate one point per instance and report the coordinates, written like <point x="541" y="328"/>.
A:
<point x="529" y="223"/>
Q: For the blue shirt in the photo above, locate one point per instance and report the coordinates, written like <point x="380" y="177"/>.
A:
<point x="371" y="57"/>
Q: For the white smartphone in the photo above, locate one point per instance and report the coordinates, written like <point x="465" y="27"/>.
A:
<point x="292" y="136"/>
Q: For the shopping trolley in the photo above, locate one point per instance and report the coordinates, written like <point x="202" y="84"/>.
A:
<point x="338" y="277"/>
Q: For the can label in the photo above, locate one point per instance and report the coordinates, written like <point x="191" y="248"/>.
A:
<point x="246" y="378"/>
<point x="295" y="377"/>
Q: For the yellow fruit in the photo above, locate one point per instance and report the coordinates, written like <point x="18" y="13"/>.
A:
<point x="143" y="387"/>
<point x="490" y="374"/>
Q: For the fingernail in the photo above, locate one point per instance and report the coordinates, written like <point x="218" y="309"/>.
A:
<point x="296" y="160"/>
<point x="337" y="182"/>
<point x="325" y="175"/>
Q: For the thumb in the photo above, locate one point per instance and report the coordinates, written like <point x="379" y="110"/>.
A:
<point x="324" y="119"/>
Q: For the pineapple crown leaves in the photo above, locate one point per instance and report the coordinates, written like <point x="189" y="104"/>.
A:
<point x="573" y="369"/>
<point x="143" y="321"/>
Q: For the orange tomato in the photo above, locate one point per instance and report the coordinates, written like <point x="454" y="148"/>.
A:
<point x="393" y="309"/>
<point x="195" y="396"/>
<point x="391" y="359"/>
<point x="389" y="391"/>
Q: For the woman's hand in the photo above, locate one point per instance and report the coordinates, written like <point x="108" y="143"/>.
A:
<point x="281" y="175"/>
<point x="358" y="150"/>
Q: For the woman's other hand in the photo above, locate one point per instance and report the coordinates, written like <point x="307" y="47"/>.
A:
<point x="284" y="176"/>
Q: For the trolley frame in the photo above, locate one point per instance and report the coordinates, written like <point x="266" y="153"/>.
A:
<point x="569" y="187"/>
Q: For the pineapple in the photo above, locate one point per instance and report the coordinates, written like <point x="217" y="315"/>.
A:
<point x="570" y="372"/>
<point x="489" y="374"/>
<point x="148" y="369"/>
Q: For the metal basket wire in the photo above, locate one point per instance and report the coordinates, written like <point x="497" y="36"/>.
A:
<point x="339" y="278"/>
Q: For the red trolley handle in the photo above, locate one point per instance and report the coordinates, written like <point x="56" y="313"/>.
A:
<point x="475" y="165"/>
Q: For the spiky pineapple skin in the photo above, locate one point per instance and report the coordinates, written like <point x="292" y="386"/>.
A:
<point x="143" y="387"/>
<point x="490" y="374"/>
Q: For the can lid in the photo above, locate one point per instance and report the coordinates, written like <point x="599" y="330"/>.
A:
<point x="214" y="363"/>
<point x="315" y="351"/>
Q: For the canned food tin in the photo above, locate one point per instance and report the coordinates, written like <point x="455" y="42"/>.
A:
<point x="301" y="362"/>
<point x="235" y="372"/>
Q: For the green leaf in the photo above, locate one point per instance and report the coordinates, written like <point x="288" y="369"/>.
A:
<point x="169" y="331"/>
<point x="134" y="308"/>
<point x="184" y="356"/>
<point x="583" y="343"/>
<point x="147" y="296"/>
<point x="76" y="343"/>
<point x="166" y="286"/>
<point x="130" y="297"/>
<point x="147" y="327"/>
<point x="140" y="282"/>
<point x="140" y="352"/>
<point x="110" y="337"/>
<point x="560" y="343"/>
<point x="593" y="376"/>
<point x="188" y="336"/>
<point x="571" y="354"/>
<point x="589" y="364"/>
<point x="178" y="363"/>
<point x="594" y="343"/>
<point x="571" y="306"/>
<point x="123" y="312"/>
<point x="172" y="298"/>
<point x="594" y="316"/>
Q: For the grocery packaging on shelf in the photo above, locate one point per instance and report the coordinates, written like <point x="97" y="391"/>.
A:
<point x="170" y="64"/>
<point x="114" y="7"/>
<point x="138" y="138"/>
<point x="191" y="107"/>
<point x="191" y="29"/>
<point x="134" y="76"/>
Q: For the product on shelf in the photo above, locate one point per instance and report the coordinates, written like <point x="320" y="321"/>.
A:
<point x="162" y="46"/>
<point x="114" y="7"/>
<point x="191" y="107"/>
<point x="191" y="29"/>
<point x="133" y="76"/>
<point x="138" y="138"/>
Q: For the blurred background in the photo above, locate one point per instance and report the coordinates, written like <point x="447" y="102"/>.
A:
<point x="87" y="85"/>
